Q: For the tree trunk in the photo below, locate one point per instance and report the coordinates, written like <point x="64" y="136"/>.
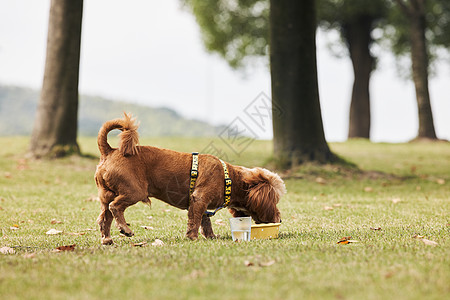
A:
<point x="419" y="58"/>
<point x="358" y="37"/>
<point x="297" y="121"/>
<point x="55" y="128"/>
<point x="414" y="10"/>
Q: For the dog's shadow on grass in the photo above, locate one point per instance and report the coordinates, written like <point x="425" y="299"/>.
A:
<point x="288" y="235"/>
<point x="281" y="236"/>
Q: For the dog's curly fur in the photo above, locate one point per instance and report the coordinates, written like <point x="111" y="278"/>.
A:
<point x="134" y="173"/>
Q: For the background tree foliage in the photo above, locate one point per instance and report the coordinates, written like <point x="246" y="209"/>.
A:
<point x="437" y="18"/>
<point x="236" y="30"/>
<point x="239" y="30"/>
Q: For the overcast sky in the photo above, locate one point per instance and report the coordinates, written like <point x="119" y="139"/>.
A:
<point x="150" y="52"/>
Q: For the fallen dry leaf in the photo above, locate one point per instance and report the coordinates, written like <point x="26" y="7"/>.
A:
<point x="194" y="275"/>
<point x="257" y="260"/>
<point x="368" y="189"/>
<point x="8" y="175"/>
<point x="141" y="244"/>
<point x="343" y="242"/>
<point x="320" y="180"/>
<point x="429" y="243"/>
<point x="77" y="233"/>
<point x="396" y="200"/>
<point x="440" y="181"/>
<point x="220" y="222"/>
<point x="248" y="263"/>
<point x="148" y="227"/>
<point x="53" y="231"/>
<point x="54" y="221"/>
<point x="7" y="250"/>
<point x="22" y="165"/>
<point x="29" y="255"/>
<point x="418" y="236"/>
<point x="267" y="263"/>
<point x="346" y="240"/>
<point x="328" y="208"/>
<point x="157" y="242"/>
<point x="65" y="248"/>
<point x="337" y="205"/>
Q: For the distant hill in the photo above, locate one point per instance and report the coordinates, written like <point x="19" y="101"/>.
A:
<point x="18" y="108"/>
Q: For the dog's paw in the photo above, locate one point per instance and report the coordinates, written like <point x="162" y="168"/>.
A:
<point x="127" y="233"/>
<point x="107" y="241"/>
<point x="212" y="237"/>
<point x="192" y="237"/>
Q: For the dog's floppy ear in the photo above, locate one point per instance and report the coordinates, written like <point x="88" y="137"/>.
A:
<point x="265" y="189"/>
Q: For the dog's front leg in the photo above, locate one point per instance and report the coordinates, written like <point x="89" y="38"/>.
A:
<point x="195" y="213"/>
<point x="207" y="230"/>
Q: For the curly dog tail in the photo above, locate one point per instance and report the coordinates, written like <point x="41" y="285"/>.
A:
<point x="129" y="137"/>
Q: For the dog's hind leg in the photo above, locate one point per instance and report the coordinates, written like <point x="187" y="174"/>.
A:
<point x="105" y="218"/>
<point x="118" y="206"/>
<point x="195" y="215"/>
<point x="206" y="227"/>
<point x="104" y="221"/>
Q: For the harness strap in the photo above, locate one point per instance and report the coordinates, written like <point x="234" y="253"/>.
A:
<point x="194" y="173"/>
<point x="228" y="184"/>
<point x="194" y="176"/>
<point x="227" y="192"/>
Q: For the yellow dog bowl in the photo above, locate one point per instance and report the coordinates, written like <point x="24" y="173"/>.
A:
<point x="265" y="231"/>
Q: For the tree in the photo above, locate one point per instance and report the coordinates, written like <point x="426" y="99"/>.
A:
<point x="355" y="20"/>
<point x="55" y="128"/>
<point x="238" y="30"/>
<point x="298" y="132"/>
<point x="414" y="10"/>
<point x="419" y="28"/>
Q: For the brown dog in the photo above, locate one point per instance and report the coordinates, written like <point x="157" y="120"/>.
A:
<point x="134" y="173"/>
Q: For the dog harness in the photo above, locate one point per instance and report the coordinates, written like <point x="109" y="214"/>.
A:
<point x="194" y="173"/>
<point x="228" y="183"/>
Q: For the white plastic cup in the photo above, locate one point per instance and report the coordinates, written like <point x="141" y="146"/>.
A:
<point x="241" y="228"/>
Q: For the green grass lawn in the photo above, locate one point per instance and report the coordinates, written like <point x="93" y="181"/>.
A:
<point x="403" y="189"/>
